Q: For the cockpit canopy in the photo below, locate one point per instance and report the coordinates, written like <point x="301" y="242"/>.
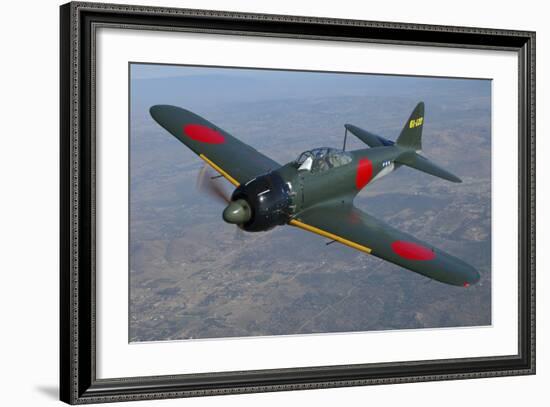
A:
<point x="322" y="159"/>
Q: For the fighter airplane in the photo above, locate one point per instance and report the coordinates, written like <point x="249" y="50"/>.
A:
<point x="315" y="192"/>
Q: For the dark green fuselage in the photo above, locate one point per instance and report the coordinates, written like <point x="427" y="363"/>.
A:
<point x="309" y="188"/>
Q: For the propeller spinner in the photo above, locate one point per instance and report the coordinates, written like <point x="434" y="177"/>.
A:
<point x="237" y="212"/>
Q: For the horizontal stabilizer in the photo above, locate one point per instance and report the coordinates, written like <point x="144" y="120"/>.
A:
<point x="370" y="139"/>
<point x="421" y="163"/>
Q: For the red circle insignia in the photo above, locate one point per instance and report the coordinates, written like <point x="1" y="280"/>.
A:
<point x="412" y="251"/>
<point x="204" y="134"/>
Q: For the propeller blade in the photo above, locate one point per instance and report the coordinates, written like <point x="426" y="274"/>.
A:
<point x="207" y="183"/>
<point x="239" y="234"/>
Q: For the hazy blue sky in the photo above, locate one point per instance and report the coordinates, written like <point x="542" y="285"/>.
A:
<point x="199" y="86"/>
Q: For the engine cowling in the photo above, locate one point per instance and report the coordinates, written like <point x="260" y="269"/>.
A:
<point x="268" y="198"/>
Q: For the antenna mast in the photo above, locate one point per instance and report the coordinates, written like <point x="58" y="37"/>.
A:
<point x="345" y="138"/>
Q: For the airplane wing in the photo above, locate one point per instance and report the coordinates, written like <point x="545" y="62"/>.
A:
<point x="352" y="227"/>
<point x="235" y="160"/>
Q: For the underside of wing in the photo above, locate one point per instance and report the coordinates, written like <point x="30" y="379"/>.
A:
<point x="352" y="227"/>
<point x="235" y="160"/>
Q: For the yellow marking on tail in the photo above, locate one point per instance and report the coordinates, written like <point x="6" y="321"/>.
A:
<point x="416" y="123"/>
<point x="332" y="236"/>
<point x="222" y="172"/>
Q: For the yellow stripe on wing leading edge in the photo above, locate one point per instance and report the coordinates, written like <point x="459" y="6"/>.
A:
<point x="222" y="172"/>
<point x="332" y="236"/>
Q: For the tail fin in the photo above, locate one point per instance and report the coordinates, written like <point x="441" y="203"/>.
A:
<point x="411" y="140"/>
<point x="411" y="135"/>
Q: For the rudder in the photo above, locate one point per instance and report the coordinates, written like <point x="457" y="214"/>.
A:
<point x="411" y="135"/>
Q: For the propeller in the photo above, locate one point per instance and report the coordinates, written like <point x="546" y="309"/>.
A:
<point x="206" y="183"/>
<point x="236" y="212"/>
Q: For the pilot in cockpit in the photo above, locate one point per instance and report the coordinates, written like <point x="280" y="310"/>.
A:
<point x="322" y="159"/>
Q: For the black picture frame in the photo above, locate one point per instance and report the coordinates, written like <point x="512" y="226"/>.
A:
<point x="78" y="382"/>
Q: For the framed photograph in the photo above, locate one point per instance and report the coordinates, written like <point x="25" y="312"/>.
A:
<point x="255" y="203"/>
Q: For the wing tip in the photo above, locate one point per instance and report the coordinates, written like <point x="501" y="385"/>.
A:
<point x="156" y="110"/>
